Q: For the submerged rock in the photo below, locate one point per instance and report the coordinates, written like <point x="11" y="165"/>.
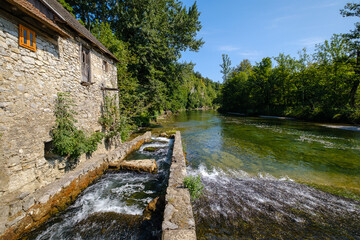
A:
<point x="168" y="134"/>
<point x="152" y="149"/>
<point x="164" y="135"/>
<point x="145" y="165"/>
<point x="154" y="208"/>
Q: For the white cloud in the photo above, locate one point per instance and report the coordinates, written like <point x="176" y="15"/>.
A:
<point x="250" y="54"/>
<point x="228" y="48"/>
<point x="325" y="5"/>
<point x="310" y="42"/>
<point x="277" y="21"/>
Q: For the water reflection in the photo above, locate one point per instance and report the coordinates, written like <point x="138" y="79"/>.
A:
<point x="304" y="151"/>
<point x="253" y="170"/>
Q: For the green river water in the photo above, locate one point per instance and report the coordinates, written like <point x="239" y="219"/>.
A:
<point x="263" y="179"/>
<point x="257" y="174"/>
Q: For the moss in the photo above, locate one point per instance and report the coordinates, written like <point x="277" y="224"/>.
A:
<point x="171" y="132"/>
<point x="151" y="149"/>
<point x="348" y="193"/>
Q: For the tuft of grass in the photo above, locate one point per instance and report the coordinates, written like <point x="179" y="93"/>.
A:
<point x="194" y="185"/>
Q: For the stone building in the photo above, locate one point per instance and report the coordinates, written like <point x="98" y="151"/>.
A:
<point x="44" y="50"/>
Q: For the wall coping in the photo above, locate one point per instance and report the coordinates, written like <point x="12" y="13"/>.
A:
<point x="178" y="220"/>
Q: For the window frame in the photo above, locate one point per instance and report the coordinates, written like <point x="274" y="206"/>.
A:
<point x="28" y="40"/>
<point x="85" y="61"/>
<point x="105" y="66"/>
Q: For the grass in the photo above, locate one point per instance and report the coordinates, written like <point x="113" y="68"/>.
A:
<point x="194" y="185"/>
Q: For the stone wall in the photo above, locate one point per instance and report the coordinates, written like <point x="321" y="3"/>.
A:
<point x="178" y="220"/>
<point x="29" y="83"/>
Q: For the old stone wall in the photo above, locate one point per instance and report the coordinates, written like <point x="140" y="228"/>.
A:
<point x="29" y="83"/>
<point x="178" y="220"/>
<point x="30" y="211"/>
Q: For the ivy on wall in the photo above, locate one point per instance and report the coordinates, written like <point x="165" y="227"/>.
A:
<point x="113" y="122"/>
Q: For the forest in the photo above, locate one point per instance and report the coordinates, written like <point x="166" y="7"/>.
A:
<point x="322" y="86"/>
<point x="148" y="36"/>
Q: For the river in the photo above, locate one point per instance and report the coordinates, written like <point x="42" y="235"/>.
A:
<point x="261" y="180"/>
<point x="259" y="176"/>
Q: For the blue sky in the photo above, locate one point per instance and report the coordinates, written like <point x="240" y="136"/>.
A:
<point x="255" y="29"/>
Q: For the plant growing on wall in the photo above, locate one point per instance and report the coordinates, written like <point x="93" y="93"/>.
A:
<point x="113" y="122"/>
<point x="194" y="185"/>
<point x="68" y="141"/>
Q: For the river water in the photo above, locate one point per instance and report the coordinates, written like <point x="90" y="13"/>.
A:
<point x="112" y="207"/>
<point x="259" y="176"/>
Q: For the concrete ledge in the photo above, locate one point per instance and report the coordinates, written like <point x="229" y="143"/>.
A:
<point x="34" y="209"/>
<point x="178" y="220"/>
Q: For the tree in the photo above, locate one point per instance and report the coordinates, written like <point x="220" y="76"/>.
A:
<point x="353" y="10"/>
<point x="225" y="67"/>
<point x="148" y="36"/>
<point x="244" y="66"/>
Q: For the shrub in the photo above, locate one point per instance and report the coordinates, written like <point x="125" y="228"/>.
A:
<point x="194" y="185"/>
<point x="68" y="141"/>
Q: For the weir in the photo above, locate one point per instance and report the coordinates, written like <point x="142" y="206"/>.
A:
<point x="178" y="215"/>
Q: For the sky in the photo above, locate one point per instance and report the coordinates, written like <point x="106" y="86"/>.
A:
<point x="254" y="29"/>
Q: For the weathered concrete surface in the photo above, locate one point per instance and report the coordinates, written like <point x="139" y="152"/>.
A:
<point x="145" y="165"/>
<point x="30" y="211"/>
<point x="178" y="215"/>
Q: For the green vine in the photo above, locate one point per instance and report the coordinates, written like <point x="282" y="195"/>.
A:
<point x="113" y="122"/>
<point x="68" y="141"/>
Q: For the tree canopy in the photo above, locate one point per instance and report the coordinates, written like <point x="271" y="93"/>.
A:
<point x="148" y="37"/>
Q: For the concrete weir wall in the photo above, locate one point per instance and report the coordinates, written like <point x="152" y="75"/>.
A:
<point x="34" y="209"/>
<point x="178" y="220"/>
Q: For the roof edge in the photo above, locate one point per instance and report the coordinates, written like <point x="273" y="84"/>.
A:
<point x="38" y="17"/>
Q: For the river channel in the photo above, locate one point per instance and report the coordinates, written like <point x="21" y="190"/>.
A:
<point x="262" y="177"/>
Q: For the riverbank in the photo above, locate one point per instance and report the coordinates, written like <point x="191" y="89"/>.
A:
<point x="337" y="125"/>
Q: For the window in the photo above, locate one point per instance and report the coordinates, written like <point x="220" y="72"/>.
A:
<point x="105" y="66"/>
<point x="27" y="38"/>
<point x="85" y="65"/>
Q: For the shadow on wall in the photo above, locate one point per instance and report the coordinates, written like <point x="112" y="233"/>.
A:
<point x="56" y="161"/>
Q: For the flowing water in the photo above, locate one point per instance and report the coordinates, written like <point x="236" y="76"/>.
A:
<point x="259" y="176"/>
<point x="112" y="207"/>
<point x="260" y="173"/>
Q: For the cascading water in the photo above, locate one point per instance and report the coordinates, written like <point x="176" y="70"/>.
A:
<point x="112" y="207"/>
<point x="258" y="173"/>
<point x="236" y="205"/>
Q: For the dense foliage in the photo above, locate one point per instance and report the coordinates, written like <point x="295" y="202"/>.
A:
<point x="321" y="87"/>
<point x="68" y="141"/>
<point x="148" y="36"/>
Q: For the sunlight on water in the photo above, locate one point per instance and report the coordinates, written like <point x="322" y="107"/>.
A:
<point x="253" y="170"/>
